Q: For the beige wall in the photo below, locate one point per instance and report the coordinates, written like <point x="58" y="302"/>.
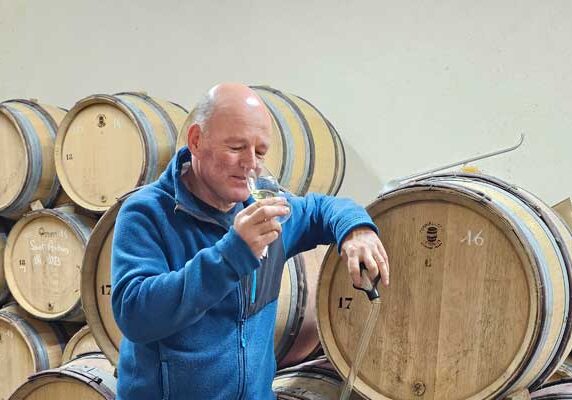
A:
<point x="409" y="84"/>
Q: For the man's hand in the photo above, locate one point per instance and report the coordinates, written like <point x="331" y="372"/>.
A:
<point x="257" y="225"/>
<point x="363" y="245"/>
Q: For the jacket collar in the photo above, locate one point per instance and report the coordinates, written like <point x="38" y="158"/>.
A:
<point x="183" y="198"/>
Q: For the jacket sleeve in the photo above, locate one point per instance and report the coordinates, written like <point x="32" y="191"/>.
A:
<point x="319" y="219"/>
<point x="152" y="300"/>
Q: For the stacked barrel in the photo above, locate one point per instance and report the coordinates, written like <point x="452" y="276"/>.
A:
<point x="63" y="177"/>
<point x="104" y="146"/>
<point x="479" y="305"/>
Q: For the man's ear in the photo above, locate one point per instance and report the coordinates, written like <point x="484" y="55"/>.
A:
<point x="194" y="138"/>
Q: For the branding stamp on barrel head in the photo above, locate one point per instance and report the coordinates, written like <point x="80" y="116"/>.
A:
<point x="430" y="235"/>
<point x="101" y="120"/>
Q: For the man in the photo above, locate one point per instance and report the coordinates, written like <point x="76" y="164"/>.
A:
<point x="194" y="291"/>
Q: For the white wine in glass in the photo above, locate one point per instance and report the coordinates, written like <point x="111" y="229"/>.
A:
<point x="265" y="186"/>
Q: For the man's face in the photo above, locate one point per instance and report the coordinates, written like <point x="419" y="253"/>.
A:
<point x="233" y="144"/>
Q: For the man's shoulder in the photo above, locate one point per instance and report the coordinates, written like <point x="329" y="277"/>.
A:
<point x="148" y="198"/>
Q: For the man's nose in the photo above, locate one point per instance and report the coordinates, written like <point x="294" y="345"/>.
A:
<point x="249" y="160"/>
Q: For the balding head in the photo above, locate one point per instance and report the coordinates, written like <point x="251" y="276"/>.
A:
<point x="230" y="100"/>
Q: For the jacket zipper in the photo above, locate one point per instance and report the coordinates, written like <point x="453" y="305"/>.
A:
<point x="243" y="300"/>
<point x="242" y="345"/>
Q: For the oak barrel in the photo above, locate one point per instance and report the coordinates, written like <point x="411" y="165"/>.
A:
<point x="296" y="332"/>
<point x="27" y="170"/>
<point x="559" y="390"/>
<point x="4" y="292"/>
<point x="564" y="371"/>
<point x="109" y="144"/>
<point x="43" y="258"/>
<point x="296" y="336"/>
<point x="312" y="380"/>
<point x="90" y="377"/>
<point x="81" y="343"/>
<point x="479" y="297"/>
<point x="307" y="154"/>
<point x="27" y="346"/>
<point x="564" y="209"/>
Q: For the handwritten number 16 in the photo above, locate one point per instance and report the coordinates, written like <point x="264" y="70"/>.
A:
<point x="471" y="239"/>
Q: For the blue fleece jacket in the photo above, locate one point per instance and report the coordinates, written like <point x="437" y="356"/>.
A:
<point x="196" y="307"/>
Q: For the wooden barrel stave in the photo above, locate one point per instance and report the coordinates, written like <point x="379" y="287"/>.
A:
<point x="102" y="132"/>
<point x="559" y="240"/>
<point x="4" y="291"/>
<point x="81" y="343"/>
<point x="524" y="364"/>
<point x="564" y="371"/>
<point x="298" y="160"/>
<point x="322" y="180"/>
<point x="549" y="257"/>
<point x="313" y="380"/>
<point x="90" y="377"/>
<point x="27" y="345"/>
<point x="96" y="285"/>
<point x="296" y="333"/>
<point x="28" y="133"/>
<point x="557" y="390"/>
<point x="43" y="257"/>
<point x="158" y="128"/>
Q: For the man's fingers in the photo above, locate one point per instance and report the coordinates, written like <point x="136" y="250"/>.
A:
<point x="250" y="209"/>
<point x="382" y="251"/>
<point x="257" y="224"/>
<point x="364" y="245"/>
<point x="382" y="262"/>
<point x="267" y="238"/>
<point x="268" y="212"/>
<point x="383" y="266"/>
<point x="353" y="268"/>
<point x="264" y="202"/>
<point x="385" y="274"/>
<point x="371" y="266"/>
<point x="269" y="226"/>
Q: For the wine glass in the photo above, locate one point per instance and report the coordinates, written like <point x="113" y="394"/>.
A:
<point x="265" y="186"/>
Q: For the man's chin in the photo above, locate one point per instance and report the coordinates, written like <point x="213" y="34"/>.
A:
<point x="240" y="196"/>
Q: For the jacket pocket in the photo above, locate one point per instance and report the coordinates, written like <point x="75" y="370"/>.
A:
<point x="165" y="380"/>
